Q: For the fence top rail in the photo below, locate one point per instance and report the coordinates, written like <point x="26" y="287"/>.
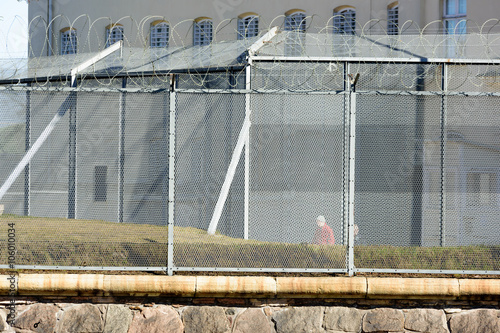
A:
<point x="154" y="90"/>
<point x="450" y="61"/>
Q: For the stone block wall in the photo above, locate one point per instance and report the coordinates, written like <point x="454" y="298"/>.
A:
<point x="212" y="315"/>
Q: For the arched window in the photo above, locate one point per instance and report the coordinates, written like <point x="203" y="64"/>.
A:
<point x="68" y="41"/>
<point x="203" y="31"/>
<point x="295" y="23"/>
<point x="114" y="33"/>
<point x="455" y="12"/>
<point x="160" y="32"/>
<point x="295" y="20"/>
<point x="344" y="20"/>
<point x="248" y="25"/>
<point x="393" y="18"/>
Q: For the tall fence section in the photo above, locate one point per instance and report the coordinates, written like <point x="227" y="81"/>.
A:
<point x="227" y="169"/>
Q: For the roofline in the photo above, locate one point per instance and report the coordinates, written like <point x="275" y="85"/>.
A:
<point x="378" y="60"/>
<point x="91" y="76"/>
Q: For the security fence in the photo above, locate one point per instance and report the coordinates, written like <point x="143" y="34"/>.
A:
<point x="230" y="169"/>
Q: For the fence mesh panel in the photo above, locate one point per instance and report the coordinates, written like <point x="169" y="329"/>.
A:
<point x="298" y="76"/>
<point x="427" y="180"/>
<point x="297" y="174"/>
<point x="474" y="78"/>
<point x="207" y="129"/>
<point x="120" y="176"/>
<point x="146" y="158"/>
<point x="49" y="167"/>
<point x="391" y="137"/>
<point x="471" y="166"/>
<point x="12" y="147"/>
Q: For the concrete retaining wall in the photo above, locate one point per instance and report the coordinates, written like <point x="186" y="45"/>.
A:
<point x="129" y="303"/>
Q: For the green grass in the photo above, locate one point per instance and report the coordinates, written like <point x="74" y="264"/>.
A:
<point x="63" y="242"/>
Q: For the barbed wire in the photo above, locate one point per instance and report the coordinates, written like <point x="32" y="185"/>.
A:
<point x="310" y="59"/>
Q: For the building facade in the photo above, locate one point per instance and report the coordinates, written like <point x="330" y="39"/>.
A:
<point x="86" y="26"/>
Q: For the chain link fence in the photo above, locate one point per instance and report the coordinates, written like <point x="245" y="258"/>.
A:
<point x="426" y="180"/>
<point x="278" y="161"/>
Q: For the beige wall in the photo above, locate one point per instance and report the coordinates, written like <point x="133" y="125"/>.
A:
<point x="90" y="17"/>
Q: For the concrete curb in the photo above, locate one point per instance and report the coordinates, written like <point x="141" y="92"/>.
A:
<point x="235" y="286"/>
<point x="327" y="287"/>
<point x="249" y="286"/>
<point x="479" y="288"/>
<point x="413" y="288"/>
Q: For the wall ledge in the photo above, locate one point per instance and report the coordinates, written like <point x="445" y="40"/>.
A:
<point x="248" y="286"/>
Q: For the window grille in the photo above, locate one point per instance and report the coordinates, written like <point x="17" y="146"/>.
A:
<point x="344" y="21"/>
<point x="393" y="19"/>
<point x="114" y="33"/>
<point x="68" y="41"/>
<point x="160" y="33"/>
<point x="203" y="32"/>
<point x="248" y="26"/>
<point x="295" y="21"/>
<point x="455" y="12"/>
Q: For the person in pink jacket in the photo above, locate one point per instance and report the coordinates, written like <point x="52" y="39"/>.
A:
<point x="323" y="234"/>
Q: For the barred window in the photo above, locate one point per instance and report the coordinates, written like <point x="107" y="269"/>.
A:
<point x="455" y="13"/>
<point x="68" y="41"/>
<point x="295" y="20"/>
<point x="160" y="33"/>
<point x="248" y="25"/>
<point x="203" y="31"/>
<point x="114" y="33"/>
<point x="393" y="18"/>
<point x="100" y="183"/>
<point x="344" y="20"/>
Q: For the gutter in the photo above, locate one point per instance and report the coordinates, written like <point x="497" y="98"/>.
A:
<point x="251" y="286"/>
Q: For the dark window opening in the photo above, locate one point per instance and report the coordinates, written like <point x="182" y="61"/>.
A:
<point x="100" y="183"/>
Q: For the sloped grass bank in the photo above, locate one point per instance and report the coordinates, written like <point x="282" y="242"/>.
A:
<point x="90" y="243"/>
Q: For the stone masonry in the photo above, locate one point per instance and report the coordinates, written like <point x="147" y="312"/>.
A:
<point x="48" y="317"/>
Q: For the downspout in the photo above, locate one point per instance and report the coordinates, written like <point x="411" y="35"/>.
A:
<point x="49" y="31"/>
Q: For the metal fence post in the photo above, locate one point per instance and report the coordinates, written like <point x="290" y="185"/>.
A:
<point x="417" y="164"/>
<point x="72" y="156"/>
<point x="171" y="177"/>
<point x="345" y="161"/>
<point x="165" y="180"/>
<point x="27" y="181"/>
<point x="248" y="86"/>
<point x="121" y="150"/>
<point x="444" y="87"/>
<point x="352" y="160"/>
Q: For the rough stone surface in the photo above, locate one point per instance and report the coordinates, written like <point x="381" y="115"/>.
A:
<point x="38" y="318"/>
<point x="343" y="319"/>
<point x="426" y="320"/>
<point x="118" y="319"/>
<point x="82" y="318"/>
<point x="3" y="319"/>
<point x="205" y="319"/>
<point x="250" y="321"/>
<point x="383" y="320"/>
<point x="156" y="320"/>
<point x="298" y="320"/>
<point x="302" y="317"/>
<point x="476" y="321"/>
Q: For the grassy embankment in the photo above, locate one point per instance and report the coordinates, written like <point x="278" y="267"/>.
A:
<point x="63" y="242"/>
